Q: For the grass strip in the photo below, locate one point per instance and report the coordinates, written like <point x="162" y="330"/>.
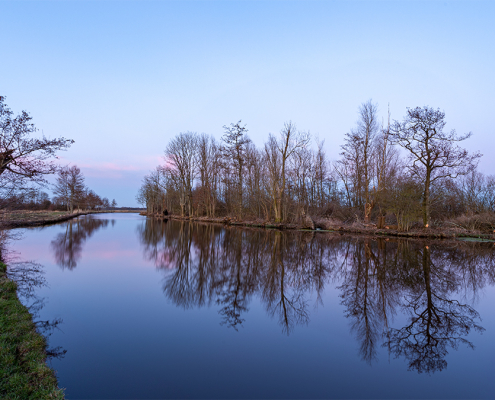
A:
<point x="23" y="370"/>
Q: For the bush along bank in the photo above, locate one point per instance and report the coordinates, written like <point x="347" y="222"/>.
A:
<point x="23" y="370"/>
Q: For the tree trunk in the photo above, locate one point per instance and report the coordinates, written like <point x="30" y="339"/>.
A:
<point x="426" y="199"/>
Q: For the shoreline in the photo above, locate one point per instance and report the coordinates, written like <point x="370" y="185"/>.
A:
<point x="41" y="222"/>
<point x="50" y="220"/>
<point x="432" y="233"/>
<point x="24" y="373"/>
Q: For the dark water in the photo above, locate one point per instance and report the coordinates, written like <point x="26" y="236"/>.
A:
<point x="149" y="309"/>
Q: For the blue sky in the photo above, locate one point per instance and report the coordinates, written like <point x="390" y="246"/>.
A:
<point x="121" y="77"/>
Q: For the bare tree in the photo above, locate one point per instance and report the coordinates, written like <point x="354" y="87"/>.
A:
<point x="209" y="160"/>
<point x="61" y="188"/>
<point x="69" y="186"/>
<point x="234" y="150"/>
<point x="359" y="155"/>
<point x="76" y="186"/>
<point x="433" y="153"/>
<point x="24" y="158"/>
<point x="366" y="131"/>
<point x="388" y="166"/>
<point x="182" y="162"/>
<point x="289" y="141"/>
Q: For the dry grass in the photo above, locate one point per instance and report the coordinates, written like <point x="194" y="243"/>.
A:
<point x="484" y="222"/>
<point x="23" y="218"/>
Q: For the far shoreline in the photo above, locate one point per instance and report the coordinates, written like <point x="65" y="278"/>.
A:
<point x="28" y="219"/>
<point x="320" y="225"/>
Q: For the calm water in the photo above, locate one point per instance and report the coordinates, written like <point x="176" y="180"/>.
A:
<point x="149" y="309"/>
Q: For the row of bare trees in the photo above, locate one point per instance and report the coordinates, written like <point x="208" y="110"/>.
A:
<point x="406" y="171"/>
<point x="202" y="176"/>
<point x="412" y="169"/>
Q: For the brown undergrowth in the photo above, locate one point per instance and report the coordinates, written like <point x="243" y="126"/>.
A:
<point x="442" y="231"/>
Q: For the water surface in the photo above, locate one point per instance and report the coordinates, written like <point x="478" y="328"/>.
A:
<point x="153" y="309"/>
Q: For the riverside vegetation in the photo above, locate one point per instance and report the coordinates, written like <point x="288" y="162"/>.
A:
<point x="23" y="373"/>
<point x="408" y="177"/>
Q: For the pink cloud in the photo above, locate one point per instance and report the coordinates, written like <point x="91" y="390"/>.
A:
<point x="143" y="163"/>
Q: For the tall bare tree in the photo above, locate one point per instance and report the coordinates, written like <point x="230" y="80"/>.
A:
<point x="182" y="161"/>
<point x="289" y="141"/>
<point x="359" y="154"/>
<point x="433" y="153"/>
<point x="208" y="164"/>
<point x="234" y="150"/>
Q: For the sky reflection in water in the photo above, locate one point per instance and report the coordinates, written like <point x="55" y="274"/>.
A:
<point x="155" y="309"/>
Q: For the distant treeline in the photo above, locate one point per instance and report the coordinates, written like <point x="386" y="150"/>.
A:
<point x="405" y="172"/>
<point x="70" y="193"/>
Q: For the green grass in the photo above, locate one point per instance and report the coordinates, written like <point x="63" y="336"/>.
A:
<point x="23" y="371"/>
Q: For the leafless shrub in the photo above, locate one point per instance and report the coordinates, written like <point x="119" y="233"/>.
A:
<point x="484" y="222"/>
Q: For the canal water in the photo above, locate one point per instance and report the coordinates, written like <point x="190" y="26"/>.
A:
<point x="142" y="308"/>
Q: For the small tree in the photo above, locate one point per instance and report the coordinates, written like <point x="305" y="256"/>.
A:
<point x="114" y="203"/>
<point x="433" y="153"/>
<point x="69" y="186"/>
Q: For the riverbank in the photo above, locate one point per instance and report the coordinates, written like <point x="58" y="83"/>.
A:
<point x="24" y="219"/>
<point x="23" y="370"/>
<point x="326" y="225"/>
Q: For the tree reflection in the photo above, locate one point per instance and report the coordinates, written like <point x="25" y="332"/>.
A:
<point x="207" y="264"/>
<point x="437" y="322"/>
<point x="212" y="265"/>
<point x="368" y="293"/>
<point x="67" y="246"/>
<point x="424" y="283"/>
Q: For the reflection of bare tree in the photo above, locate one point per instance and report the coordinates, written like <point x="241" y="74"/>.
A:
<point x="368" y="293"/>
<point x="233" y="285"/>
<point x="282" y="293"/>
<point x="212" y="265"/>
<point x="67" y="246"/>
<point x="381" y="277"/>
<point x="436" y="321"/>
<point x="207" y="264"/>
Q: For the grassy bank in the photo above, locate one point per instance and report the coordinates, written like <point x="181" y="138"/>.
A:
<point x="23" y="371"/>
<point x="322" y="225"/>
<point x="22" y="219"/>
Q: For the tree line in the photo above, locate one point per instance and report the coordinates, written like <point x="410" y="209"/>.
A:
<point x="405" y="172"/>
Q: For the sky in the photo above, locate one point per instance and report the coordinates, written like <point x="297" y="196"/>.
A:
<point x="122" y="78"/>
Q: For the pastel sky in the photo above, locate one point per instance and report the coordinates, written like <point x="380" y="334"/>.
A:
<point x="121" y="77"/>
